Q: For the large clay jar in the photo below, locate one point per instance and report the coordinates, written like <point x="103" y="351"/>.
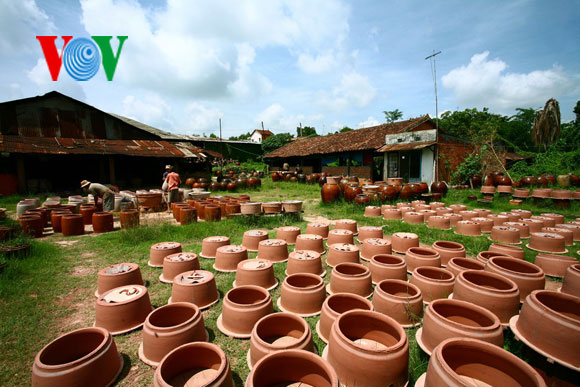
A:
<point x="278" y="332"/>
<point x="334" y="306"/>
<point x="406" y="192"/>
<point x="399" y="300"/>
<point x="252" y="239"/>
<point x="84" y="357"/>
<point x="571" y="283"/>
<point x="445" y="319"/>
<point x="228" y="257"/>
<point x="195" y="364"/>
<point x="492" y="291"/>
<point x="340" y="236"/>
<point x="212" y="213"/>
<point x="129" y="218"/>
<point x="439" y="222"/>
<point x="457" y="265"/>
<point x="302" y="294"/>
<point x="368" y="349"/>
<point x="439" y="187"/>
<point x="310" y="242"/>
<point x="87" y="211"/>
<point x="421" y="256"/>
<point x="434" y="282"/>
<point x="161" y="250"/>
<point x="197" y="287"/>
<point x="341" y="253"/>
<point x="546" y="242"/>
<point x="274" y="250"/>
<point x="243" y="306"/>
<point x="55" y="218"/>
<point x="351" y="278"/>
<point x="102" y="222"/>
<point x="526" y="275"/>
<point x="366" y="232"/>
<point x="549" y="323"/>
<point x="448" y="250"/>
<point x="317" y="229"/>
<point x="468" y="227"/>
<point x="257" y="272"/>
<point x="387" y="266"/>
<point x="330" y="192"/>
<point x="118" y="275"/>
<point x="288" y="234"/>
<point x="402" y="241"/>
<point x="373" y="246"/>
<point x="554" y="265"/>
<point x="169" y="327"/>
<point x="32" y="225"/>
<point x="177" y="263"/>
<point x="469" y="362"/>
<point x="512" y="251"/>
<point x="305" y="261"/>
<point x="123" y="309"/>
<point x="72" y="224"/>
<point x="210" y="245"/>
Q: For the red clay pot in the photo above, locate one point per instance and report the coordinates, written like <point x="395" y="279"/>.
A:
<point x="421" y="256"/>
<point x="87" y="212"/>
<point x="554" y="265"/>
<point x="302" y="294"/>
<point x="404" y="210"/>
<point x="412" y="217"/>
<point x="232" y="208"/>
<point x="505" y="234"/>
<point x="372" y="211"/>
<point x="566" y="233"/>
<point x="334" y="306"/>
<point x="366" y="232"/>
<point x="434" y="282"/>
<point x="498" y="219"/>
<point x="547" y="243"/>
<point x="341" y="253"/>
<point x="252" y="238"/>
<point x="448" y="250"/>
<point x="288" y="234"/>
<point x="178" y="263"/>
<point x="243" y="306"/>
<point x="351" y="278"/>
<point x="485" y="224"/>
<point x="274" y="250"/>
<point x="402" y="241"/>
<point x="374" y="246"/>
<point x="399" y="300"/>
<point x="512" y="216"/>
<point x="305" y="261"/>
<point x="340" y="236"/>
<point x="453" y="219"/>
<point x="129" y="218"/>
<point x="575" y="228"/>
<point x="330" y="192"/>
<point x="210" y="245"/>
<point x="392" y="213"/>
<point x="161" y="250"/>
<point x="272" y="207"/>
<point x="435" y="205"/>
<point x="484" y="256"/>
<point x="439" y="222"/>
<point x="468" y="227"/>
<point x="526" y="275"/>
<point x="387" y="266"/>
<point x="257" y="272"/>
<point x="187" y="215"/>
<point x="457" y="265"/>
<point x="571" y="284"/>
<point x="72" y="224"/>
<point x="548" y="222"/>
<point x="317" y="229"/>
<point x="457" y="208"/>
<point x="55" y="219"/>
<point x="31" y="225"/>
<point x="487" y="189"/>
<point x="102" y="222"/>
<point x="523" y="228"/>
<point x="197" y="287"/>
<point x="123" y="309"/>
<point x="228" y="257"/>
<point x="118" y="275"/>
<point x="346" y="224"/>
<point x="84" y="357"/>
<point x="368" y="349"/>
<point x="502" y="249"/>
<point x="439" y="187"/>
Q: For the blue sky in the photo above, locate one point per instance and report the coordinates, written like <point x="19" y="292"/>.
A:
<point x="323" y="63"/>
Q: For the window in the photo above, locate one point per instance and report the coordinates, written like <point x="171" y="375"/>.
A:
<point x="405" y="164"/>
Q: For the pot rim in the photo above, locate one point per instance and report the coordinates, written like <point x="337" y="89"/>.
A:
<point x="534" y="298"/>
<point x="417" y="295"/>
<point x="319" y="280"/>
<point x="438" y="269"/>
<point x="189" y="305"/>
<point x="462" y="259"/>
<point x="538" y="270"/>
<point x="458" y="246"/>
<point x="415" y="251"/>
<point x="400" y="259"/>
<point x="496" y="324"/>
<point x="365" y="270"/>
<point x="103" y="272"/>
<point x="265" y="300"/>
<point x="295" y="317"/>
<point x="224" y="363"/>
<point x="513" y="286"/>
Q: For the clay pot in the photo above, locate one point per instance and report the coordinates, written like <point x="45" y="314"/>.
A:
<point x="496" y="293"/>
<point x="402" y="241"/>
<point x="554" y="265"/>
<point x="274" y="250"/>
<point x="346" y="224"/>
<point x="252" y="239"/>
<point x="372" y="211"/>
<point x="251" y="208"/>
<point x="187" y="215"/>
<point x="334" y="306"/>
<point x="387" y="266"/>
<point x="258" y="272"/>
<point x="129" y="218"/>
<point x="549" y="324"/>
<point x="232" y="208"/>
<point x="559" y="219"/>
<point x="453" y="219"/>
<point x="302" y="294"/>
<point x="434" y="205"/>
<point x="548" y="222"/>
<point x="340" y="236"/>
<point x="272" y="207"/>
<point x="464" y="361"/>
<point x="212" y="213"/>
<point x="317" y="229"/>
<point x="448" y="250"/>
<point x="468" y="227"/>
<point x="210" y="245"/>
<point x="55" y="219"/>
<point x="484" y="256"/>
<point x="243" y="306"/>
<point x="228" y="257"/>
<point x="102" y="222"/>
<point x="72" y="224"/>
<point x="561" y="194"/>
<point x="169" y="327"/>
<point x="512" y="216"/>
<point x="175" y="264"/>
<point x="84" y="357"/>
<point x="487" y="189"/>
<point x="575" y="228"/>
<point x="341" y="253"/>
<point x="351" y="278"/>
<point x="542" y="193"/>
<point x="197" y="364"/>
<point x="288" y="234"/>
<point x="521" y="193"/>
<point x="412" y="217"/>
<point x="566" y="233"/>
<point x="457" y="208"/>
<point x="404" y="210"/>
<point x="197" y="287"/>
<point x="399" y="300"/>
<point x="439" y="187"/>
<point x="357" y="349"/>
<point x="505" y="234"/>
<point x="87" y="212"/>
<point x="420" y="256"/>
<point x="161" y="250"/>
<point x="392" y="213"/>
<point x="373" y="246"/>
<point x="118" y="275"/>
<point x="32" y="225"/>
<point x="526" y="275"/>
<point x="439" y="222"/>
<point x="524" y="214"/>
<point x="330" y="192"/>
<point x="310" y="242"/>
<point x="502" y="249"/>
<point x="123" y="309"/>
<point x="305" y="261"/>
<point x="434" y="282"/>
<point x="571" y="284"/>
<point x="278" y="332"/>
<point x="366" y="232"/>
<point x="547" y="243"/>
<point x="457" y="265"/>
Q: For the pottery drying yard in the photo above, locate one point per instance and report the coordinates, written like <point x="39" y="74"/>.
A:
<point x="52" y="291"/>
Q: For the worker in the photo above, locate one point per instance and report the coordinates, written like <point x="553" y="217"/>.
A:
<point x="102" y="192"/>
<point x="167" y="170"/>
<point x="173" y="180"/>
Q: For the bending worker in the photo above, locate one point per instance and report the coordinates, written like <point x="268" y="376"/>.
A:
<point x="100" y="191"/>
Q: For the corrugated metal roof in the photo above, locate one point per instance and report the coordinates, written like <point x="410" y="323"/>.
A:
<point x="406" y="146"/>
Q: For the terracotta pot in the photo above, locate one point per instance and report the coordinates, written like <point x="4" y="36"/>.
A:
<point x="32" y="225"/>
<point x="175" y="264"/>
<point x="197" y="364"/>
<point x="542" y="193"/>
<point x="197" y="287"/>
<point x="547" y="243"/>
<point x="243" y="306"/>
<point x="457" y="208"/>
<point x="484" y="256"/>
<point x="439" y="187"/>
<point x="210" y="245"/>
<point x="420" y="256"/>
<point x="372" y="211"/>
<point x="502" y="249"/>
<point x="412" y="217"/>
<point x="462" y="361"/>
<point x="373" y="246"/>
<point x="123" y="309"/>
<point x="351" y="278"/>
<point x="524" y="214"/>
<point x="575" y="228"/>
<point x="448" y="250"/>
<point x="434" y="282"/>
<point x="232" y="208"/>
<point x="118" y="275"/>
<point x="305" y="261"/>
<point x="561" y="194"/>
<point x="554" y="265"/>
<point x="512" y="216"/>
<point x="278" y="332"/>
<point x="548" y="222"/>
<point x="228" y="257"/>
<point x="302" y="294"/>
<point x="161" y="250"/>
<point x="387" y="266"/>
<point x="523" y="228"/>
<point x="129" y="218"/>
<point x="87" y="212"/>
<point x="55" y="219"/>
<point x="566" y="233"/>
<point x="526" y="275"/>
<point x="427" y="214"/>
<point x="102" y="222"/>
<point x="252" y="239"/>
<point x="330" y="192"/>
<point x="457" y="264"/>
<point x="357" y="349"/>
<point x="498" y="219"/>
<point x="468" y="227"/>
<point x="288" y="234"/>
<point x="403" y="204"/>
<point x="482" y="212"/>
<point x="496" y="293"/>
<point x="251" y="208"/>
<point x="187" y="215"/>
<point x="434" y="205"/>
<point x="341" y="253"/>
<point x="340" y="236"/>
<point x="549" y="324"/>
<point x="393" y="213"/>
<point x="453" y="219"/>
<point x="274" y="250"/>
<point x="487" y="189"/>
<point x="176" y="208"/>
<point x="317" y="229"/>
<point x="72" y="224"/>
<point x="258" y="272"/>
<point x="571" y="284"/>
<point x="272" y="207"/>
<point x="404" y="210"/>
<point x="439" y="222"/>
<point x="212" y="213"/>
<point x="559" y="219"/>
<point x="310" y="242"/>
<point x="521" y="193"/>
<point x="505" y="234"/>
<point x="346" y="224"/>
<point x="402" y="241"/>
<point x="334" y="306"/>
<point x="366" y="232"/>
<point x="83" y="357"/>
<point x="399" y="300"/>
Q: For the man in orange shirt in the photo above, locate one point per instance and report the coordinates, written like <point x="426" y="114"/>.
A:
<point x="173" y="181"/>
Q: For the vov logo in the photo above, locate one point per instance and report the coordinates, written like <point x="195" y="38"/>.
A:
<point x="81" y="56"/>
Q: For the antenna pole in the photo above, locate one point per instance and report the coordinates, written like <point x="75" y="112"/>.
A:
<point x="434" y="63"/>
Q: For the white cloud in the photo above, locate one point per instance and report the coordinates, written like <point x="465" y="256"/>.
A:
<point x="40" y="76"/>
<point x="200" y="119"/>
<point x="354" y="90"/>
<point x="20" y="22"/>
<point x="485" y="82"/>
<point x="278" y="120"/>
<point x="336" y="125"/>
<point x="151" y="110"/>
<point x="316" y="64"/>
<point x="368" y="123"/>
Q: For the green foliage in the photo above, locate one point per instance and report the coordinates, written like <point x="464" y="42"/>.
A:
<point x="276" y="141"/>
<point x="471" y="166"/>
<point x="344" y="129"/>
<point x="243" y="167"/>
<point x="244" y="136"/>
<point x="471" y="124"/>
<point x="213" y="136"/>
<point x="307" y="131"/>
<point x="393" y="115"/>
<point x="553" y="161"/>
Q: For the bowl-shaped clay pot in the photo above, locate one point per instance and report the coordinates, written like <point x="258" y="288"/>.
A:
<point x="317" y="229"/>
<point x="505" y="234"/>
<point x="523" y="228"/>
<point x="512" y="216"/>
<point x="113" y="276"/>
<point x="251" y="208"/>
<point x="161" y="250"/>
<point x="346" y="224"/>
<point x="546" y="242"/>
<point x="366" y="232"/>
<point x="84" y="357"/>
<point x="278" y="332"/>
<point x="292" y="367"/>
<point x="434" y="282"/>
<point x="457" y="265"/>
<point x="305" y="261"/>
<point x="534" y="225"/>
<point x="368" y="349"/>
<point x="175" y="264"/>
<point x="274" y="250"/>
<point x="402" y="241"/>
<point x="399" y="300"/>
<point x="210" y="245"/>
<point x="288" y="234"/>
<point x="243" y="306"/>
<point x="486" y="224"/>
<point x="340" y="236"/>
<point x="448" y="250"/>
<point x="571" y="283"/>
<point x="342" y="252"/>
<point x="310" y="242"/>
<point x="421" y="256"/>
<point x="468" y="227"/>
<point x="387" y="266"/>
<point x="302" y="294"/>
<point x="257" y="272"/>
<point x="526" y="275"/>
<point x="351" y="278"/>
<point x="413" y="217"/>
<point x="123" y="309"/>
<point x="272" y="207"/>
<point x="554" y="265"/>
<point x="194" y="364"/>
<point x="168" y="327"/>
<point x="445" y="319"/>
<point x="496" y="293"/>
<point x="439" y="222"/>
<point x="197" y="287"/>
<point x="392" y="213"/>
<point x="566" y="233"/>
<point x="575" y="228"/>
<point x="72" y="224"/>
<point x="228" y="257"/>
<point x="334" y="306"/>
<point x="251" y="239"/>
<point x="513" y="251"/>
<point x="549" y="323"/>
<point x="292" y="206"/>
<point x="373" y="246"/>
<point x="372" y="211"/>
<point x="469" y="362"/>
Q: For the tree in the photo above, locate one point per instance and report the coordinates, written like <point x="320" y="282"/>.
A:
<point x="240" y="137"/>
<point x="307" y="131"/>
<point x="345" y="129"/>
<point x="393" y="115"/>
<point x="276" y="141"/>
<point x="577" y="112"/>
<point x="213" y="136"/>
<point x="547" y="124"/>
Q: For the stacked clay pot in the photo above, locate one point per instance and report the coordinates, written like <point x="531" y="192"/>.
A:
<point x="366" y="232"/>
<point x="305" y="261"/>
<point x="274" y="250"/>
<point x="317" y="229"/>
<point x="340" y="236"/>
<point x="243" y="306"/>
<point x="399" y="300"/>
<point x="288" y="234"/>
<point x="302" y="294"/>
<point x="178" y="263"/>
<point x="387" y="266"/>
<point x="373" y="246"/>
<point x="160" y="250"/>
<point x="402" y="241"/>
<point x="257" y="272"/>
<point x="123" y="309"/>
<point x="118" y="275"/>
<point x="334" y="306"/>
<point x="351" y="278"/>
<point x="527" y="276"/>
<point x="434" y="282"/>
<point x="210" y="245"/>
<point x="252" y="238"/>
<point x="197" y="287"/>
<point x="228" y="257"/>
<point x="341" y="253"/>
<point x="421" y="256"/>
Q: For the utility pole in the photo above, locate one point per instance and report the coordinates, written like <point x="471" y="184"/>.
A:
<point x="300" y="129"/>
<point x="434" y="72"/>
<point x="221" y="143"/>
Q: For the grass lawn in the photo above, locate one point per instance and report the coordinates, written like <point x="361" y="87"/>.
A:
<point x="51" y="291"/>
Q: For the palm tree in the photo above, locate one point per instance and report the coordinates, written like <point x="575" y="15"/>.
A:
<point x="546" y="128"/>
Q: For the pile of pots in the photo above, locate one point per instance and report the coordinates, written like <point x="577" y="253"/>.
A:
<point x="230" y="183"/>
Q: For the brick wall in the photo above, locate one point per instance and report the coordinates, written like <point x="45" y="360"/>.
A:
<point x="354" y="171"/>
<point x="454" y="153"/>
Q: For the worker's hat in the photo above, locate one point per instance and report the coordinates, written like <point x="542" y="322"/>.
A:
<point x="168" y="166"/>
<point x="85" y="183"/>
